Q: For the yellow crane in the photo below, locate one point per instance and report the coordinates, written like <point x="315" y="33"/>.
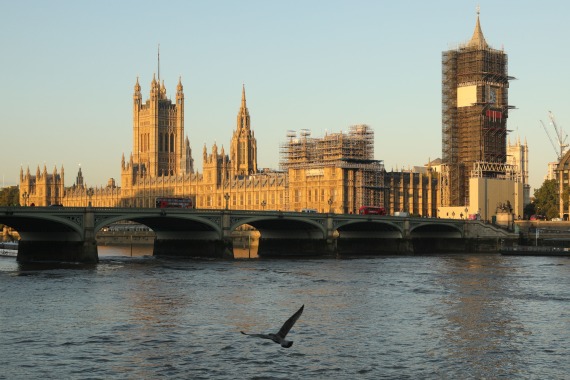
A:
<point x="560" y="136"/>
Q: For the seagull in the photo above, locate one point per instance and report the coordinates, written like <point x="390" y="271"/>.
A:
<point x="280" y="336"/>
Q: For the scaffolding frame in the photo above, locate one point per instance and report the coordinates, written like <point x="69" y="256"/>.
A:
<point x="304" y="151"/>
<point x="475" y="132"/>
<point x="353" y="152"/>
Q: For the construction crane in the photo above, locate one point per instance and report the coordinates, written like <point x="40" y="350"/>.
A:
<point x="560" y="136"/>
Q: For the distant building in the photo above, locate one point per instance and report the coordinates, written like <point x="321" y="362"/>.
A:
<point x="562" y="173"/>
<point x="517" y="157"/>
<point x="551" y="171"/>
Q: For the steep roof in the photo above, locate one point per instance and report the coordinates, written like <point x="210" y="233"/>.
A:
<point x="478" y="40"/>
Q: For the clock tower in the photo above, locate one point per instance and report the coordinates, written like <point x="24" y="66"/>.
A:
<point x="474" y="115"/>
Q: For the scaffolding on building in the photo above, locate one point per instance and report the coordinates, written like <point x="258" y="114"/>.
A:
<point x="496" y="170"/>
<point x="474" y="114"/>
<point x="303" y="151"/>
<point x="353" y="152"/>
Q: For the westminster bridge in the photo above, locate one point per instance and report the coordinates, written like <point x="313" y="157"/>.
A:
<point x="69" y="233"/>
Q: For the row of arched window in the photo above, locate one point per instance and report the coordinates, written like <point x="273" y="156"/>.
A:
<point x="165" y="142"/>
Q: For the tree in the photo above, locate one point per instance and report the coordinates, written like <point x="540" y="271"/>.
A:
<point x="529" y="209"/>
<point x="10" y="196"/>
<point x="546" y="199"/>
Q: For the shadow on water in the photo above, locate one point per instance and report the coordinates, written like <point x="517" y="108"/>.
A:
<point x="28" y="268"/>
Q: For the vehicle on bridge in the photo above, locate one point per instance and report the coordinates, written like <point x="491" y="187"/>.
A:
<point x="371" y="210"/>
<point x="164" y="202"/>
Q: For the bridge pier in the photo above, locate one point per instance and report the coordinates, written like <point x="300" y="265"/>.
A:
<point x="61" y="245"/>
<point x="284" y="247"/>
<point x="214" y="248"/>
<point x="438" y="245"/>
<point x="57" y="250"/>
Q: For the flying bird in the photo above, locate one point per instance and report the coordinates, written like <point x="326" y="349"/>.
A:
<point x="280" y="336"/>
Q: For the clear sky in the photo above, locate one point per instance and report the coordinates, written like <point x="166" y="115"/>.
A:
<point x="68" y="69"/>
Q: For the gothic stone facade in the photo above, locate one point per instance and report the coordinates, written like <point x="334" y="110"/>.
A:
<point x="161" y="165"/>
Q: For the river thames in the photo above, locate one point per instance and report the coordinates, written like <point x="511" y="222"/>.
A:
<point x="394" y="317"/>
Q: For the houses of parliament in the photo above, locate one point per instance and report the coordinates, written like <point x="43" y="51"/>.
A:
<point x="334" y="173"/>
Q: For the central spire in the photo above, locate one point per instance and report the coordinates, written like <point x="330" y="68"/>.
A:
<point x="243" y="114"/>
<point x="243" y="105"/>
<point x="478" y="40"/>
<point x="158" y="62"/>
<point x="243" y="147"/>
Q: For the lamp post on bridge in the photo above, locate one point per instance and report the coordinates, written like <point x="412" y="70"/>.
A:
<point x="227" y="198"/>
<point x="330" y="202"/>
<point x="263" y="204"/>
<point x="25" y="196"/>
<point x="90" y="194"/>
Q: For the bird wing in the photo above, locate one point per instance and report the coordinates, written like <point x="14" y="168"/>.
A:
<point x="289" y="323"/>
<point x="264" y="336"/>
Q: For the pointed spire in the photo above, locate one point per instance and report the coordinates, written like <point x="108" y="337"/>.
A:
<point x="478" y="40"/>
<point x="137" y="86"/>
<point x="179" y="87"/>
<point x="243" y="114"/>
<point x="159" y="62"/>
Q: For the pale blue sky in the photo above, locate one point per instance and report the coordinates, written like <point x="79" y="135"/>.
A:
<point x="68" y="69"/>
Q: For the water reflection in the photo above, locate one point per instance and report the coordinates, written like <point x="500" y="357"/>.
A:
<point x="132" y="250"/>
<point x="482" y="327"/>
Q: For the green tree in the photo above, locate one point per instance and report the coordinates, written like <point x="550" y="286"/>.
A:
<point x="546" y="199"/>
<point x="10" y="196"/>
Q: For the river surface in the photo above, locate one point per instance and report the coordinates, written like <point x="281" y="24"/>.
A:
<point x="407" y="317"/>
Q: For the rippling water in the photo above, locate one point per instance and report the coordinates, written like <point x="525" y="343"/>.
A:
<point x="409" y="317"/>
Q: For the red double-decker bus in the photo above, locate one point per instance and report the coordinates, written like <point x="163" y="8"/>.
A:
<point x="164" y="202"/>
<point x="371" y="210"/>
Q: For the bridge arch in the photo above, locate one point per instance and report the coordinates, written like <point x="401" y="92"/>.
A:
<point x="436" y="230"/>
<point x="285" y="235"/>
<point x="437" y="238"/>
<point x="160" y="224"/>
<point x="369" y="237"/>
<point x="45" y="227"/>
<point x="49" y="232"/>
<point x="281" y="226"/>
<point x="177" y="232"/>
